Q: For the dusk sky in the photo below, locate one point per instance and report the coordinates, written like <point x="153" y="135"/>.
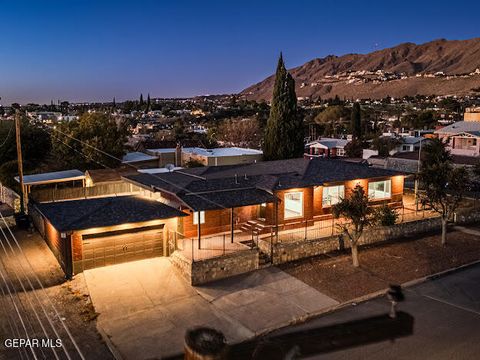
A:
<point x="96" y="50"/>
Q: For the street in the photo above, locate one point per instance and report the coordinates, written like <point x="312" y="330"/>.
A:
<point x="446" y="315"/>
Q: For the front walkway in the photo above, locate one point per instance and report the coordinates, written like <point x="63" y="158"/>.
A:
<point x="145" y="306"/>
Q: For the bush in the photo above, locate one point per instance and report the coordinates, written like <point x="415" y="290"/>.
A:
<point x="386" y="216"/>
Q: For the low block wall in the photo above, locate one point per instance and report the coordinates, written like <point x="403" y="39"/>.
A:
<point x="465" y="218"/>
<point x="289" y="251"/>
<point x="207" y="270"/>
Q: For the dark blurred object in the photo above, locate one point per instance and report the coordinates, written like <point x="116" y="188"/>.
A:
<point x="204" y="343"/>
<point x="22" y="221"/>
<point x="395" y="295"/>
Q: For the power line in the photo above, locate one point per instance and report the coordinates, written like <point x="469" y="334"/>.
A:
<point x="17" y="311"/>
<point x="35" y="295"/>
<point x="43" y="289"/>
<point x="8" y="135"/>
<point x="13" y="325"/>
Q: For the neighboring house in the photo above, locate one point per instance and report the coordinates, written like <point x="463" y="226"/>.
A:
<point x="140" y="160"/>
<point x="409" y="143"/>
<point x="221" y="156"/>
<point x="462" y="137"/>
<point x="180" y="156"/>
<point x="327" y="147"/>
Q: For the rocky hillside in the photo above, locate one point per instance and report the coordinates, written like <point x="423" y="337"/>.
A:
<point x="439" y="67"/>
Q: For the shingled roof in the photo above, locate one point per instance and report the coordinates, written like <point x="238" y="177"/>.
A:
<point x="101" y="212"/>
<point x="248" y="184"/>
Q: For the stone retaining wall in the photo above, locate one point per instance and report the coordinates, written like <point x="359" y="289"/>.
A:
<point x="207" y="270"/>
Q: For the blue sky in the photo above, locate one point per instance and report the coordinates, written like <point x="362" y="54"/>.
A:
<point x="94" y="50"/>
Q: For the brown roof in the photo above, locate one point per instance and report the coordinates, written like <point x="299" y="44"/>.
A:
<point x="109" y="175"/>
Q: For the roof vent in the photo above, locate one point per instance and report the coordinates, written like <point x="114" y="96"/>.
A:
<point x="246" y="178"/>
<point x="236" y="179"/>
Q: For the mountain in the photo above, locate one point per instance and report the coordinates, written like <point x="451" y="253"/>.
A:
<point x="440" y="67"/>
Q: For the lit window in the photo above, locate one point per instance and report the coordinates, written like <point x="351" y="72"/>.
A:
<point x="340" y="152"/>
<point x="195" y="217"/>
<point x="293" y="205"/>
<point x="332" y="195"/>
<point x="380" y="189"/>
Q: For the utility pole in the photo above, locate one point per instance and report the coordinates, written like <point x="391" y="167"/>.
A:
<point x="23" y="200"/>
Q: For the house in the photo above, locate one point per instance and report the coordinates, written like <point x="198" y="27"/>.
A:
<point x="201" y="205"/>
<point x="221" y="156"/>
<point x="286" y="192"/>
<point x="140" y="160"/>
<point x="327" y="147"/>
<point x="462" y="137"/>
<point x="180" y="156"/>
<point x="409" y="143"/>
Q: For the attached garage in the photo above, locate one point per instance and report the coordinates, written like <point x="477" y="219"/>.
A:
<point x="122" y="246"/>
<point x="89" y="233"/>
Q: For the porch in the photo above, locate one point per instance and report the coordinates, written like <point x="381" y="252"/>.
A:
<point x="246" y="236"/>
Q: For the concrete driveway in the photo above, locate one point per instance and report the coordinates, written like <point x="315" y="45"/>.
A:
<point x="145" y="307"/>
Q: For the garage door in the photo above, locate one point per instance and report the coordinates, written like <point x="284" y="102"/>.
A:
<point x="122" y="246"/>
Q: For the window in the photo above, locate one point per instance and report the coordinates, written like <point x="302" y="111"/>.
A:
<point x="332" y="195"/>
<point x="293" y="205"/>
<point x="195" y="217"/>
<point x="340" y="152"/>
<point x="380" y="189"/>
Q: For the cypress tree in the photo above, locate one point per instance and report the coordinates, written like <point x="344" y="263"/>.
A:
<point x="148" y="104"/>
<point x="141" y="100"/>
<point x="356" y="121"/>
<point x="284" y="134"/>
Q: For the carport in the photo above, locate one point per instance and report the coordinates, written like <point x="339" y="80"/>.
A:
<point x="89" y="233"/>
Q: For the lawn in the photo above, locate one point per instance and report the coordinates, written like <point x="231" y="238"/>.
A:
<point x="388" y="263"/>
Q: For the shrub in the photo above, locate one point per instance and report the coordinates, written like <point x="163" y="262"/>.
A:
<point x="386" y="216"/>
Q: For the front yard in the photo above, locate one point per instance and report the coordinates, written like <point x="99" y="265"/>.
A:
<point x="389" y="263"/>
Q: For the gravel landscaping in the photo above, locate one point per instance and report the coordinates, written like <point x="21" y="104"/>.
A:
<point x="381" y="265"/>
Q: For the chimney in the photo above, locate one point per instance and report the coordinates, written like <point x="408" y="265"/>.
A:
<point x="178" y="155"/>
<point x="236" y="179"/>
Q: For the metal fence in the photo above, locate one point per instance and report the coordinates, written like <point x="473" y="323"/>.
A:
<point x="211" y="246"/>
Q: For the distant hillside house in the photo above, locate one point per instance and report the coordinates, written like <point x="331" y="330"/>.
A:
<point x="327" y="147"/>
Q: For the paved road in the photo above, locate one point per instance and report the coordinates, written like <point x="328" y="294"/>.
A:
<point x="446" y="315"/>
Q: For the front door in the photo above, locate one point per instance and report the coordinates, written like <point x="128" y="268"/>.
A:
<point x="262" y="211"/>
